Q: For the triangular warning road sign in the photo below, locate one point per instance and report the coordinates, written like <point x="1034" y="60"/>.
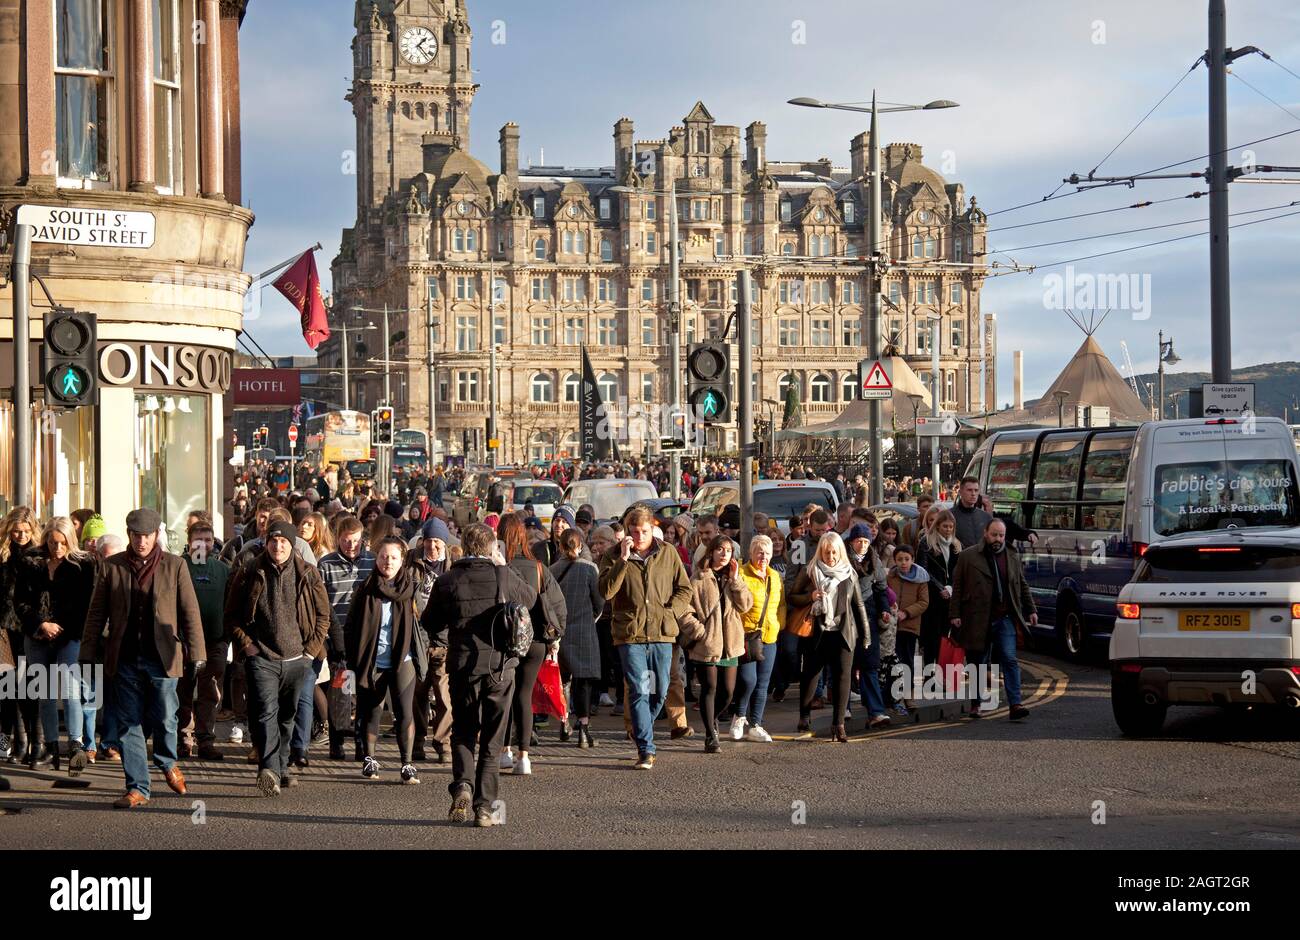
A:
<point x="877" y="380"/>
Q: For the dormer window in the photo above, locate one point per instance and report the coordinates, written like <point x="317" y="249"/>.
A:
<point x="539" y="207"/>
<point x="785" y="210"/>
<point x="850" y="211"/>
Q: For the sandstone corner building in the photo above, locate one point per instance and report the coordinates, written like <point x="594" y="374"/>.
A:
<point x="111" y="108"/>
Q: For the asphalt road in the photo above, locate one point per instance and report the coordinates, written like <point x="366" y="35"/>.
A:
<point x="1214" y="781"/>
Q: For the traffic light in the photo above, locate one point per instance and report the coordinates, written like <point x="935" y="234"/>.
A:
<point x="69" y="360"/>
<point x="675" y="436"/>
<point x="708" y="387"/>
<point x="381" y="427"/>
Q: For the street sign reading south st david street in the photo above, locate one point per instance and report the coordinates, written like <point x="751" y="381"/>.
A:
<point x="97" y="228"/>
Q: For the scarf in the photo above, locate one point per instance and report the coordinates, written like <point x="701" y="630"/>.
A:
<point x="827" y="580"/>
<point x="998" y="588"/>
<point x="917" y="575"/>
<point x="401" y="593"/>
<point x="144" y="568"/>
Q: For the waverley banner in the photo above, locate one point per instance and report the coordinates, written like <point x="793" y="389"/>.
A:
<point x="595" y="423"/>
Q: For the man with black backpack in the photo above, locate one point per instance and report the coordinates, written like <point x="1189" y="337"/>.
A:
<point x="474" y="611"/>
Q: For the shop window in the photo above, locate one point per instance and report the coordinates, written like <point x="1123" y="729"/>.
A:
<point x="172" y="440"/>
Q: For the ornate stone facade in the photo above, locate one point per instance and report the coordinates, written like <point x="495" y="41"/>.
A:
<point x="545" y="259"/>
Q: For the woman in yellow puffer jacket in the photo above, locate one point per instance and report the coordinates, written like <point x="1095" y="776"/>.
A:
<point x="767" y="615"/>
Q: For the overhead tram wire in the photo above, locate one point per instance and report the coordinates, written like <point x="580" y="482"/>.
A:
<point x="1277" y="63"/>
<point x="1117" y="251"/>
<point x="1273" y="101"/>
<point x="1084" y="215"/>
<point x="1192" y="69"/>
<point x="1148" y="228"/>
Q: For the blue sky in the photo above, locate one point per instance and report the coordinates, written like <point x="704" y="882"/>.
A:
<point x="1046" y="89"/>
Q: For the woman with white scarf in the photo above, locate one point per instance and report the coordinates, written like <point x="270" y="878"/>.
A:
<point x="830" y="584"/>
<point x="937" y="551"/>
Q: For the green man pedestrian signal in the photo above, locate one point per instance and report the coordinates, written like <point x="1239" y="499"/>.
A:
<point x="69" y="359"/>
<point x="708" y="373"/>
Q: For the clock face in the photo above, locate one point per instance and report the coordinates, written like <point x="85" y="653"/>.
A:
<point x="573" y="210"/>
<point x="461" y="207"/>
<point x="418" y="45"/>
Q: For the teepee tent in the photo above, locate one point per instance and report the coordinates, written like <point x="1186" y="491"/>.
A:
<point x="1091" y="379"/>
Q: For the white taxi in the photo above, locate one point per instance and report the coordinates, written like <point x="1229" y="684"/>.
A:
<point x="1208" y="619"/>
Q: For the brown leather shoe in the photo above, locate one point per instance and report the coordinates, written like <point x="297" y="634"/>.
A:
<point x="175" y="780"/>
<point x="131" y="799"/>
<point x="687" y="732"/>
<point x="112" y="755"/>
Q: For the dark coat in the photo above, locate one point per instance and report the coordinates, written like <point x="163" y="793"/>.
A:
<point x="972" y="596"/>
<point x="550" y="606"/>
<point x="361" y="632"/>
<point x="850" y="611"/>
<point x="11" y="630"/>
<point x="934" y="622"/>
<point x="63" y="599"/>
<point x="178" y="625"/>
<point x="246" y="588"/>
<point x="463" y="608"/>
<point x="583" y="603"/>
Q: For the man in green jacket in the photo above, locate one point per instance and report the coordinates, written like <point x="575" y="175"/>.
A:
<point x="647" y="586"/>
<point x="209" y="575"/>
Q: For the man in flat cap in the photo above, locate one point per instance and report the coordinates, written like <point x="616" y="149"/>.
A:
<point x="278" y="615"/>
<point x="146" y="617"/>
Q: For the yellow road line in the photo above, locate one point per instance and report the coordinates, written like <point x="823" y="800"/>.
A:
<point x="1052" y="685"/>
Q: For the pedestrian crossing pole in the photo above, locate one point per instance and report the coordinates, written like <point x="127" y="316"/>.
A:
<point x="745" y="330"/>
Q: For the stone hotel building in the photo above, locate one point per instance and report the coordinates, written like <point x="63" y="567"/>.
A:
<point x="543" y="260"/>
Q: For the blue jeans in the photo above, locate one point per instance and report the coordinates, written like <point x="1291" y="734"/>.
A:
<point x="306" y="710"/>
<point x="91" y="692"/>
<point x="751" y="686"/>
<point x="646" y="667"/>
<point x="868" y="663"/>
<point x="111" y="736"/>
<point x="274" y="687"/>
<point x="144" y="692"/>
<point x="1002" y="644"/>
<point x="62" y="682"/>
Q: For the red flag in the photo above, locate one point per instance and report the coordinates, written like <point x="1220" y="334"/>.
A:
<point x="301" y="284"/>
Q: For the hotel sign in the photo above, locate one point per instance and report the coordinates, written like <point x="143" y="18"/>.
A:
<point x="266" y="387"/>
<point x="92" y="228"/>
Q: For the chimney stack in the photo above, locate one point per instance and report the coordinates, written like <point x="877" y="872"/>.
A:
<point x="755" y="147"/>
<point x="1018" y="358"/>
<point x="860" y="154"/>
<point x="510" y="152"/>
<point x="623" y="142"/>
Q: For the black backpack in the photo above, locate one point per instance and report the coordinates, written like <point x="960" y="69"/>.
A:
<point x="512" y="626"/>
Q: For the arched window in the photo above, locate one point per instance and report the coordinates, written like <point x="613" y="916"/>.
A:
<point x="458" y="239"/>
<point x="543" y="389"/>
<point x="569" y="446"/>
<point x="419" y="110"/>
<point x="848" y="387"/>
<point x="608" y="385"/>
<point x="783" y="387"/>
<point x="568" y="243"/>
<point x="821" y="388"/>
<point x="930" y="246"/>
<point x="541" y="447"/>
<point x="918" y="246"/>
<point x="606" y="250"/>
<point x="539" y="249"/>
<point x="471" y="240"/>
<point x="580" y="243"/>
<point x="787" y="248"/>
<point x="573" y="387"/>
<point x="850" y="250"/>
<point x="406" y="109"/>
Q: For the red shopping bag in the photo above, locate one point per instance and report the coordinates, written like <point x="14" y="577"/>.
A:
<point x="548" y="693"/>
<point x="952" y="660"/>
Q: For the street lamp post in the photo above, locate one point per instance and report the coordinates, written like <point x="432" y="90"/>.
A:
<point x="1060" y="395"/>
<point x="916" y="400"/>
<point x="874" y="264"/>
<point x="1166" y="354"/>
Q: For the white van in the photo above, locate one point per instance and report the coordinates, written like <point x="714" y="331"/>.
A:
<point x="779" y="499"/>
<point x="1099" y="497"/>
<point x="610" y="498"/>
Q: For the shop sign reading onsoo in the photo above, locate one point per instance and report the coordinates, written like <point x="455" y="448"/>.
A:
<point x="165" y="366"/>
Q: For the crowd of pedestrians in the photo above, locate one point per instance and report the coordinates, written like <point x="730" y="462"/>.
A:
<point x="316" y="617"/>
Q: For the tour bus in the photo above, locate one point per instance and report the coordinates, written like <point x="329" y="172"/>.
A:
<point x="337" y="437"/>
<point x="1098" y="497"/>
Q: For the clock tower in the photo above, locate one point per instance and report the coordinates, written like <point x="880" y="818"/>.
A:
<point x="411" y="78"/>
